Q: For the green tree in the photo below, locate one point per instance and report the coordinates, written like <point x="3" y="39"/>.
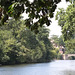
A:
<point x="58" y="40"/>
<point x="66" y="19"/>
<point x="42" y="10"/>
<point x="19" y="45"/>
<point x="61" y="41"/>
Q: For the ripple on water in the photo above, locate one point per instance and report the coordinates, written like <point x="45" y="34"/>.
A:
<point x="59" y="67"/>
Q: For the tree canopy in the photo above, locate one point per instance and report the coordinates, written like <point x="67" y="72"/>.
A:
<point x="58" y="40"/>
<point x="66" y="19"/>
<point x="19" y="45"/>
<point x="42" y="10"/>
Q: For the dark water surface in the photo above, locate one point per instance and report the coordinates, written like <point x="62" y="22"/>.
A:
<point x="58" y="67"/>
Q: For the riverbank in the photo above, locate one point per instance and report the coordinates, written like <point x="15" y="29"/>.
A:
<point x="26" y="63"/>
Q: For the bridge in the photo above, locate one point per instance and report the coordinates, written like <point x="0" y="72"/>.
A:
<point x="66" y="56"/>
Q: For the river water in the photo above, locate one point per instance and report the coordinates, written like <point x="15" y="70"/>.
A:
<point x="58" y="67"/>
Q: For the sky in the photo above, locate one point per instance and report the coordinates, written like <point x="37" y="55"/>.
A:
<point x="55" y="29"/>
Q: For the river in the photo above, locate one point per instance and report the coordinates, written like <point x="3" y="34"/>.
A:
<point x="58" y="67"/>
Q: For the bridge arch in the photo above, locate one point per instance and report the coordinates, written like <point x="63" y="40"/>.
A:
<point x="66" y="56"/>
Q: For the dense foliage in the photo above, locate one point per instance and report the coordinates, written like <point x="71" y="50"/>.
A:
<point x="42" y="10"/>
<point x="19" y="45"/>
<point x="58" y="40"/>
<point x="57" y="43"/>
<point x="66" y="19"/>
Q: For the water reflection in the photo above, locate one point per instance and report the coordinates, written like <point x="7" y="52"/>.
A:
<point x="60" y="67"/>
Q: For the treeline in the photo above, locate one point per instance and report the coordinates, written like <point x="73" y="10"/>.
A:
<point x="66" y="19"/>
<point x="19" y="45"/>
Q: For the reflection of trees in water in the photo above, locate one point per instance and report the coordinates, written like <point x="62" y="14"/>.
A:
<point x="69" y="72"/>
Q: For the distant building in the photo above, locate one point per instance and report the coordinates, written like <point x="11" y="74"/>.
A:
<point x="61" y="50"/>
